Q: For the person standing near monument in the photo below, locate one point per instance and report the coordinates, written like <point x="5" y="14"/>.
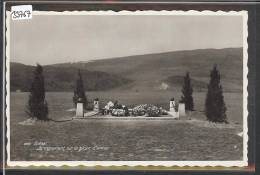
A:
<point x="172" y="105"/>
<point x="96" y="105"/>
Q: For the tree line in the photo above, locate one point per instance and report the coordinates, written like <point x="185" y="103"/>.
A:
<point x="215" y="108"/>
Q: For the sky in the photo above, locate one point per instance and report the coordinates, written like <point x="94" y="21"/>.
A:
<point x="55" y="39"/>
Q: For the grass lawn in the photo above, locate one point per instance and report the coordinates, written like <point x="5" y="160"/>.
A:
<point x="124" y="140"/>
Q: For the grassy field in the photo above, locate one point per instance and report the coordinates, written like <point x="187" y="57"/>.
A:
<point x="125" y="140"/>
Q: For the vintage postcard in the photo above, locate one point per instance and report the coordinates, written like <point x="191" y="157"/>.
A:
<point x="162" y="88"/>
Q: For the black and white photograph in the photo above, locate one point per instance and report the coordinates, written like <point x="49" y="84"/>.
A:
<point x="127" y="88"/>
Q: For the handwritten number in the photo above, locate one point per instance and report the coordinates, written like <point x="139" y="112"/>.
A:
<point x="21" y="14"/>
<point x="28" y="12"/>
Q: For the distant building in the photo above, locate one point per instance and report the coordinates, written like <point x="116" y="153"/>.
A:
<point x="164" y="86"/>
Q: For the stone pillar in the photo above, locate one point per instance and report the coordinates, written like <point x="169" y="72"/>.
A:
<point x="181" y="109"/>
<point x="79" y="110"/>
<point x="96" y="105"/>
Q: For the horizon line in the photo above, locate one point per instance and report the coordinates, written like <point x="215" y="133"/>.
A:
<point x="108" y="58"/>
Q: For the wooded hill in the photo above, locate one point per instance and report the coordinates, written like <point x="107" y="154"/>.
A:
<point x="141" y="72"/>
<point x="62" y="79"/>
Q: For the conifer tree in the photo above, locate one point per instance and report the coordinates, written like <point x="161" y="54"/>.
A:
<point x="215" y="105"/>
<point x="187" y="93"/>
<point x="37" y="106"/>
<point x="79" y="92"/>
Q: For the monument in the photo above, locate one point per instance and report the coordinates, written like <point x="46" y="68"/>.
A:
<point x="181" y="109"/>
<point x="79" y="108"/>
<point x="96" y="105"/>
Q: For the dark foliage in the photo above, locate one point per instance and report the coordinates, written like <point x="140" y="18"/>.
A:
<point x="187" y="93"/>
<point x="79" y="92"/>
<point x="117" y="105"/>
<point x="152" y="111"/>
<point x="37" y="106"/>
<point x="215" y="105"/>
<point x="63" y="78"/>
<point x="126" y="111"/>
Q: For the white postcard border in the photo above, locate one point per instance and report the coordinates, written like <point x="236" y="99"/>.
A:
<point x="241" y="163"/>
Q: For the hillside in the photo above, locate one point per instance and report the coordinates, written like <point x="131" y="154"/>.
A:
<point x="152" y="71"/>
<point x="62" y="79"/>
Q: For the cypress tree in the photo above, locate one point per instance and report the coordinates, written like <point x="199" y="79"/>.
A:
<point x="37" y="106"/>
<point x="187" y="91"/>
<point x="215" y="105"/>
<point x="79" y="92"/>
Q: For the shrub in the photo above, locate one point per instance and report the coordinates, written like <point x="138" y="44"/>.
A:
<point x="139" y="110"/>
<point x="118" y="112"/>
<point x="79" y="92"/>
<point x="126" y="111"/>
<point x="152" y="111"/>
<point x="37" y="106"/>
<point x="187" y="93"/>
<point x="215" y="105"/>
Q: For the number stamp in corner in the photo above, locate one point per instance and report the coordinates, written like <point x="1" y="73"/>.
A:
<point x="21" y="12"/>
